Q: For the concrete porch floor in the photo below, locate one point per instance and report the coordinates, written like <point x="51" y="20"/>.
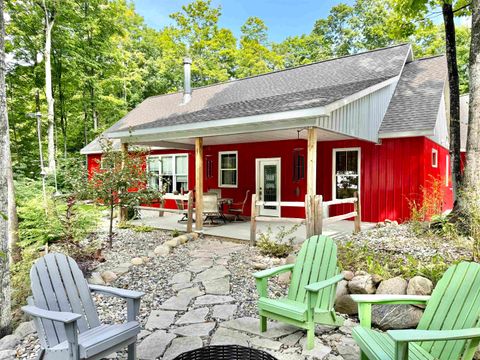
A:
<point x="241" y="230"/>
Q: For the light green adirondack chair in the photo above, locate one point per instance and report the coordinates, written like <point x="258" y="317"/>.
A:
<point x="448" y="330"/>
<point x="312" y="289"/>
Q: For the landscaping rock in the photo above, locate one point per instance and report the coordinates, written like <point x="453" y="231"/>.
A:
<point x="266" y="343"/>
<point x="109" y="276"/>
<point x="218" y="286"/>
<point x="137" y="261"/>
<point x="361" y="284"/>
<point x="345" y="305"/>
<point x="292" y="339"/>
<point x="216" y="272"/>
<point x="181" y="345"/>
<point x="388" y="317"/>
<point x="348" y="275"/>
<point x="9" y="342"/>
<point x="202" y="329"/>
<point x="162" y="250"/>
<point x="342" y="288"/>
<point x="96" y="279"/>
<point x="418" y="285"/>
<point x="181" y="286"/>
<point x="153" y="346"/>
<point x="348" y="349"/>
<point x="172" y="243"/>
<point x="319" y="352"/>
<point x="122" y="269"/>
<point x="284" y="278"/>
<point x="182" y="300"/>
<point x="200" y="264"/>
<point x="182" y="239"/>
<point x="160" y="319"/>
<point x="377" y="279"/>
<point x="290" y="259"/>
<point x="24" y="329"/>
<point x="396" y="285"/>
<point x="259" y="266"/>
<point x="193" y="316"/>
<point x="224" y="312"/>
<point x="7" y="354"/>
<point x="225" y="336"/>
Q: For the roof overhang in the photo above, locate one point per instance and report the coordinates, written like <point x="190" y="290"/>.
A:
<point x="400" y="134"/>
<point x="309" y="117"/>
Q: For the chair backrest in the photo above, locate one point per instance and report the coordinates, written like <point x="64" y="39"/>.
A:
<point x="245" y="200"/>
<point x="59" y="285"/>
<point x="210" y="203"/>
<point x="316" y="261"/>
<point x="216" y="191"/>
<point x="454" y="304"/>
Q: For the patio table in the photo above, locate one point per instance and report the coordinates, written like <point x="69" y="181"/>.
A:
<point x="225" y="352"/>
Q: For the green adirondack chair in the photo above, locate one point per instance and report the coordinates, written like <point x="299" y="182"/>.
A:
<point x="312" y="289"/>
<point x="449" y="328"/>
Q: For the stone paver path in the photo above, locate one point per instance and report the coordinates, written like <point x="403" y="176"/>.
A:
<point x="203" y="312"/>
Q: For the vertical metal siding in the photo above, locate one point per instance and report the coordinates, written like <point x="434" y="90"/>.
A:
<point x="360" y="118"/>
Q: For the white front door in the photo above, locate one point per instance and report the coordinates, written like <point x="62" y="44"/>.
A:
<point x="268" y="185"/>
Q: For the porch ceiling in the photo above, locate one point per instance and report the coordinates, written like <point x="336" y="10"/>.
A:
<point x="262" y="136"/>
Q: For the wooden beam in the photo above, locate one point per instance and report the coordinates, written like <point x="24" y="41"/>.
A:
<point x="199" y="183"/>
<point x="318" y="213"/>
<point x="312" y="161"/>
<point x="358" y="219"/>
<point x="190" y="212"/>
<point x="309" y="215"/>
<point x="253" y="220"/>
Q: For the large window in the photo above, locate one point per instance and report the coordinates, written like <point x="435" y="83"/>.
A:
<point x="228" y="169"/>
<point x="346" y="172"/>
<point x="168" y="172"/>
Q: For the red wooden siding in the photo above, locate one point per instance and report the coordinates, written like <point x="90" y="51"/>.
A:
<point x="392" y="173"/>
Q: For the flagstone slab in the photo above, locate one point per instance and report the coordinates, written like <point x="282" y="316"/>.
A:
<point x="182" y="299"/>
<point x="181" y="277"/>
<point x="224" y="312"/>
<point x="193" y="316"/>
<point x="160" y="319"/>
<point x="266" y="343"/>
<point x="224" y="336"/>
<point x="216" y="272"/>
<point x="181" y="286"/>
<point x="200" y="264"/>
<point x="202" y="329"/>
<point x="251" y="325"/>
<point x="154" y="345"/>
<point x="213" y="300"/>
<point x="181" y="345"/>
<point x="219" y="286"/>
<point x="319" y="351"/>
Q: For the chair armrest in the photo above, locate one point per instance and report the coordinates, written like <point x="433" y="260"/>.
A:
<point x="60" y="316"/>
<point x="433" y="335"/>
<point x="391" y="299"/>
<point x="123" y="293"/>
<point x="268" y="273"/>
<point x="316" y="287"/>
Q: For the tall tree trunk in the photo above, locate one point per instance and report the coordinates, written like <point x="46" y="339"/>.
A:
<point x="5" y="188"/>
<point x="472" y="170"/>
<point x="49" y="21"/>
<point x="453" y="81"/>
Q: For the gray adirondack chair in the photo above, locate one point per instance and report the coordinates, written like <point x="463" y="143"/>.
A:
<point x="65" y="316"/>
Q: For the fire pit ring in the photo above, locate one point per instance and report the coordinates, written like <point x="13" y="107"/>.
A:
<point x="225" y="352"/>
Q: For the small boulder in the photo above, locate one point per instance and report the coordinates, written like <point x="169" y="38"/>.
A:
<point x="9" y="342"/>
<point x="418" y="285"/>
<point x="388" y="317"/>
<point x="284" y="278"/>
<point x="162" y="250"/>
<point x="137" y="261"/>
<point x="182" y="239"/>
<point x="96" y="279"/>
<point x="24" y="329"/>
<point x="342" y="289"/>
<point x="7" y="354"/>
<point x="109" y="276"/>
<point x="259" y="266"/>
<point x="396" y="285"/>
<point x="172" y="243"/>
<point x="377" y="279"/>
<point x="348" y="275"/>
<point x="361" y="284"/>
<point x="345" y="305"/>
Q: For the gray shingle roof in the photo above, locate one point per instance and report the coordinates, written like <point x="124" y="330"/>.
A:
<point x="415" y="103"/>
<point x="302" y="87"/>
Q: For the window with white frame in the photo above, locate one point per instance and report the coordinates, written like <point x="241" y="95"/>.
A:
<point x="168" y="172"/>
<point x="228" y="169"/>
<point x="434" y="158"/>
<point x="346" y="172"/>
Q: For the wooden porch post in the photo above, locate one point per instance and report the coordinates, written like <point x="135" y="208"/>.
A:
<point x="312" y="162"/>
<point x="358" y="219"/>
<point x="122" y="211"/>
<point x="198" y="183"/>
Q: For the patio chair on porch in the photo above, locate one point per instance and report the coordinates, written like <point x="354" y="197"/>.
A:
<point x="65" y="317"/>
<point x="238" y="208"/>
<point x="210" y="208"/>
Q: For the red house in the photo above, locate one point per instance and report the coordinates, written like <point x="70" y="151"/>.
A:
<point x="374" y="122"/>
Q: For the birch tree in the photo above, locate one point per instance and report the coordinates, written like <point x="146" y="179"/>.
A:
<point x="5" y="188"/>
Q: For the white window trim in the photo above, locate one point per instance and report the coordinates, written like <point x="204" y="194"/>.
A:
<point x="334" y="165"/>
<point x="220" y="153"/>
<point x="434" y="163"/>
<point x="174" y="165"/>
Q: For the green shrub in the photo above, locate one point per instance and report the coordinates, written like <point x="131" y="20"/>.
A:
<point x="175" y="232"/>
<point x="281" y="246"/>
<point x="136" y="228"/>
